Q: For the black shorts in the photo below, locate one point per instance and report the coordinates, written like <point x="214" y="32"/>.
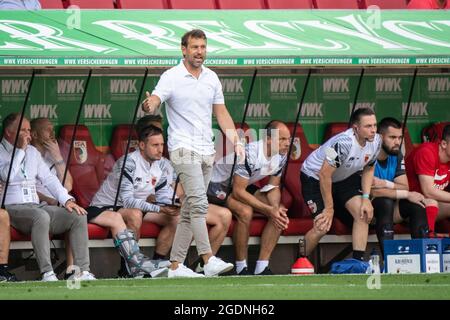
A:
<point x="342" y="192"/>
<point x="222" y="202"/>
<point x="93" y="212"/>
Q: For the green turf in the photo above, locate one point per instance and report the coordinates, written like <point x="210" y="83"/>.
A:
<point x="423" y="286"/>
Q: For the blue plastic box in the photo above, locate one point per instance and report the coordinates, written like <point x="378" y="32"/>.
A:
<point x="446" y="255"/>
<point x="413" y="256"/>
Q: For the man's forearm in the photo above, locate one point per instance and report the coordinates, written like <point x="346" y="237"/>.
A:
<point x="252" y="201"/>
<point x="367" y="179"/>
<point x="325" y="190"/>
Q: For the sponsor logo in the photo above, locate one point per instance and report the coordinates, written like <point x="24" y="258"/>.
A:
<point x="70" y="86"/>
<point x="97" y="111"/>
<point x="336" y="85"/>
<point x="416" y="109"/>
<point x="232" y="85"/>
<point x="388" y="85"/>
<point x="14" y="90"/>
<point x="259" y="110"/>
<point x="437" y="85"/>
<point x="80" y="151"/>
<point x="122" y="86"/>
<point x="43" y="111"/>
<point x="360" y="105"/>
<point x="296" y="149"/>
<point x="283" y="85"/>
<point x="311" y="110"/>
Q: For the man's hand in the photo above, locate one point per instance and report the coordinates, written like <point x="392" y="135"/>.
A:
<point x="24" y="140"/>
<point x="239" y="149"/>
<point x="52" y="147"/>
<point x="149" y="105"/>
<point x="169" y="210"/>
<point x="417" y="198"/>
<point x="378" y="183"/>
<point x="279" y="217"/>
<point x="71" y="205"/>
<point x="366" y="211"/>
<point x="324" y="220"/>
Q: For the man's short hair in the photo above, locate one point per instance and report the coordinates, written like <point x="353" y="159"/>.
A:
<point x="149" y="131"/>
<point x="359" y="113"/>
<point x="9" y="120"/>
<point x="147" y="120"/>
<point x="387" y="122"/>
<point x="446" y="133"/>
<point x="196" y="34"/>
<point x="272" y="125"/>
<point x="34" y="124"/>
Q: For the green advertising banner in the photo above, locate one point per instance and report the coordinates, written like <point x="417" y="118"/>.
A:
<point x="248" y="38"/>
<point x="111" y="99"/>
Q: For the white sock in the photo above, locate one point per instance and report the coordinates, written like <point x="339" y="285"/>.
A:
<point x="261" y="265"/>
<point x="240" y="265"/>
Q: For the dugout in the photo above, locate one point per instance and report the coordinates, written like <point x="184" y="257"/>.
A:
<point x="92" y="68"/>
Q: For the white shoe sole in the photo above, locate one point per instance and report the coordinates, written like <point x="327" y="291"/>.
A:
<point x="228" y="268"/>
<point x="160" y="273"/>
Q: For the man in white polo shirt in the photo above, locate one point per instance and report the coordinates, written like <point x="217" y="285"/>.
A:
<point x="192" y="92"/>
<point x="22" y="202"/>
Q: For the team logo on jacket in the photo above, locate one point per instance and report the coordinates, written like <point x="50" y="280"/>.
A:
<point x="366" y="158"/>
<point x="296" y="149"/>
<point x="312" y="206"/>
<point x="80" y="151"/>
<point x="153" y="181"/>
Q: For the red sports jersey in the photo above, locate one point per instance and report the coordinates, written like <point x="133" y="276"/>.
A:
<point x="424" y="160"/>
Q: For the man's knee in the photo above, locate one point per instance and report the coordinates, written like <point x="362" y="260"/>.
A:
<point x="133" y="217"/>
<point x="41" y="217"/>
<point x="198" y="205"/>
<point x="4" y="218"/>
<point x="244" y="215"/>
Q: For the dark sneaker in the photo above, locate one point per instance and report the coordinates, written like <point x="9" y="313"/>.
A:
<point x="123" y="273"/>
<point x="6" y="276"/>
<point x="265" y="272"/>
<point x="67" y="275"/>
<point x="244" y="272"/>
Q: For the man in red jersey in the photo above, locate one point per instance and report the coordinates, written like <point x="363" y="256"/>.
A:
<point x="428" y="171"/>
<point x="429" y="4"/>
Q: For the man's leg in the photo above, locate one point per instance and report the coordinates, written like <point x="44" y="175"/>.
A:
<point x="5" y="235"/>
<point x="133" y="220"/>
<point x="62" y="221"/>
<point x="219" y="220"/>
<point x="167" y="233"/>
<point x="243" y="214"/>
<point x="383" y="211"/>
<point x="444" y="211"/>
<point x="360" y="230"/>
<point x="417" y="217"/>
<point x="30" y="219"/>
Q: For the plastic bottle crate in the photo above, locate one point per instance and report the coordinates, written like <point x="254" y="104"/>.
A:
<point x="413" y="256"/>
<point x="446" y="255"/>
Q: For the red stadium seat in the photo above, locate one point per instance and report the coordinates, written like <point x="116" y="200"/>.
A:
<point x="86" y="163"/>
<point x="341" y="4"/>
<point x="51" y="4"/>
<point x="407" y="146"/>
<point x="387" y="4"/>
<point x="142" y="4"/>
<point x="18" y="236"/>
<point x="239" y="4"/>
<point x="149" y="230"/>
<point x="434" y="132"/>
<point x="198" y="4"/>
<point x="120" y="138"/>
<point x="95" y="232"/>
<point x="333" y="129"/>
<point x="289" y="4"/>
<point x="89" y="4"/>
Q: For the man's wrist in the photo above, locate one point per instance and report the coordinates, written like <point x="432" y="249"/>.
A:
<point x="365" y="196"/>
<point x="59" y="162"/>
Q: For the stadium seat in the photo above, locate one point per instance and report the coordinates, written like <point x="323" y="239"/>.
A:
<point x="333" y="129"/>
<point x="386" y="4"/>
<point x="239" y="4"/>
<point x="289" y="4"/>
<point x="149" y="230"/>
<point x="187" y="4"/>
<point x="120" y="138"/>
<point x="89" y="4"/>
<point x="95" y="232"/>
<point x="51" y="4"/>
<point x="341" y="4"/>
<point x="18" y="236"/>
<point x="433" y="132"/>
<point x="142" y="4"/>
<point x="407" y="146"/>
<point x="86" y="163"/>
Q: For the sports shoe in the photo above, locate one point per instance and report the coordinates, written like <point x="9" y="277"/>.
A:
<point x="49" y="276"/>
<point x="244" y="272"/>
<point x="302" y="266"/>
<point x="155" y="268"/>
<point x="6" y="276"/>
<point x="82" y="276"/>
<point x="183" y="272"/>
<point x="265" y="272"/>
<point x="216" y="266"/>
<point x="199" y="268"/>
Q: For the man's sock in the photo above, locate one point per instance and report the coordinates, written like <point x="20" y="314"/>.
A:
<point x="261" y="265"/>
<point x="240" y="265"/>
<point x="432" y="213"/>
<point x="157" y="256"/>
<point x="358" y="255"/>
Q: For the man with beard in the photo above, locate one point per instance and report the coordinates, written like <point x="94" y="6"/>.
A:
<point x="392" y="202"/>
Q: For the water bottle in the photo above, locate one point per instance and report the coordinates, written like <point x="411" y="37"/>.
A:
<point x="375" y="262"/>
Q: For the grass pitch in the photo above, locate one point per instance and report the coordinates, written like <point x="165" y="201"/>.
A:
<point x="351" y="287"/>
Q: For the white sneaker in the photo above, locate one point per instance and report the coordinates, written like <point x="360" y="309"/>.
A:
<point x="183" y="272"/>
<point x="216" y="266"/>
<point x="83" y="276"/>
<point x="49" y="276"/>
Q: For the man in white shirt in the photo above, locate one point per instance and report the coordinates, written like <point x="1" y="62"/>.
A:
<point x="264" y="158"/>
<point x="337" y="178"/>
<point x="20" y="5"/>
<point x="22" y="202"/>
<point x="5" y="238"/>
<point x="144" y="174"/>
<point x="192" y="92"/>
